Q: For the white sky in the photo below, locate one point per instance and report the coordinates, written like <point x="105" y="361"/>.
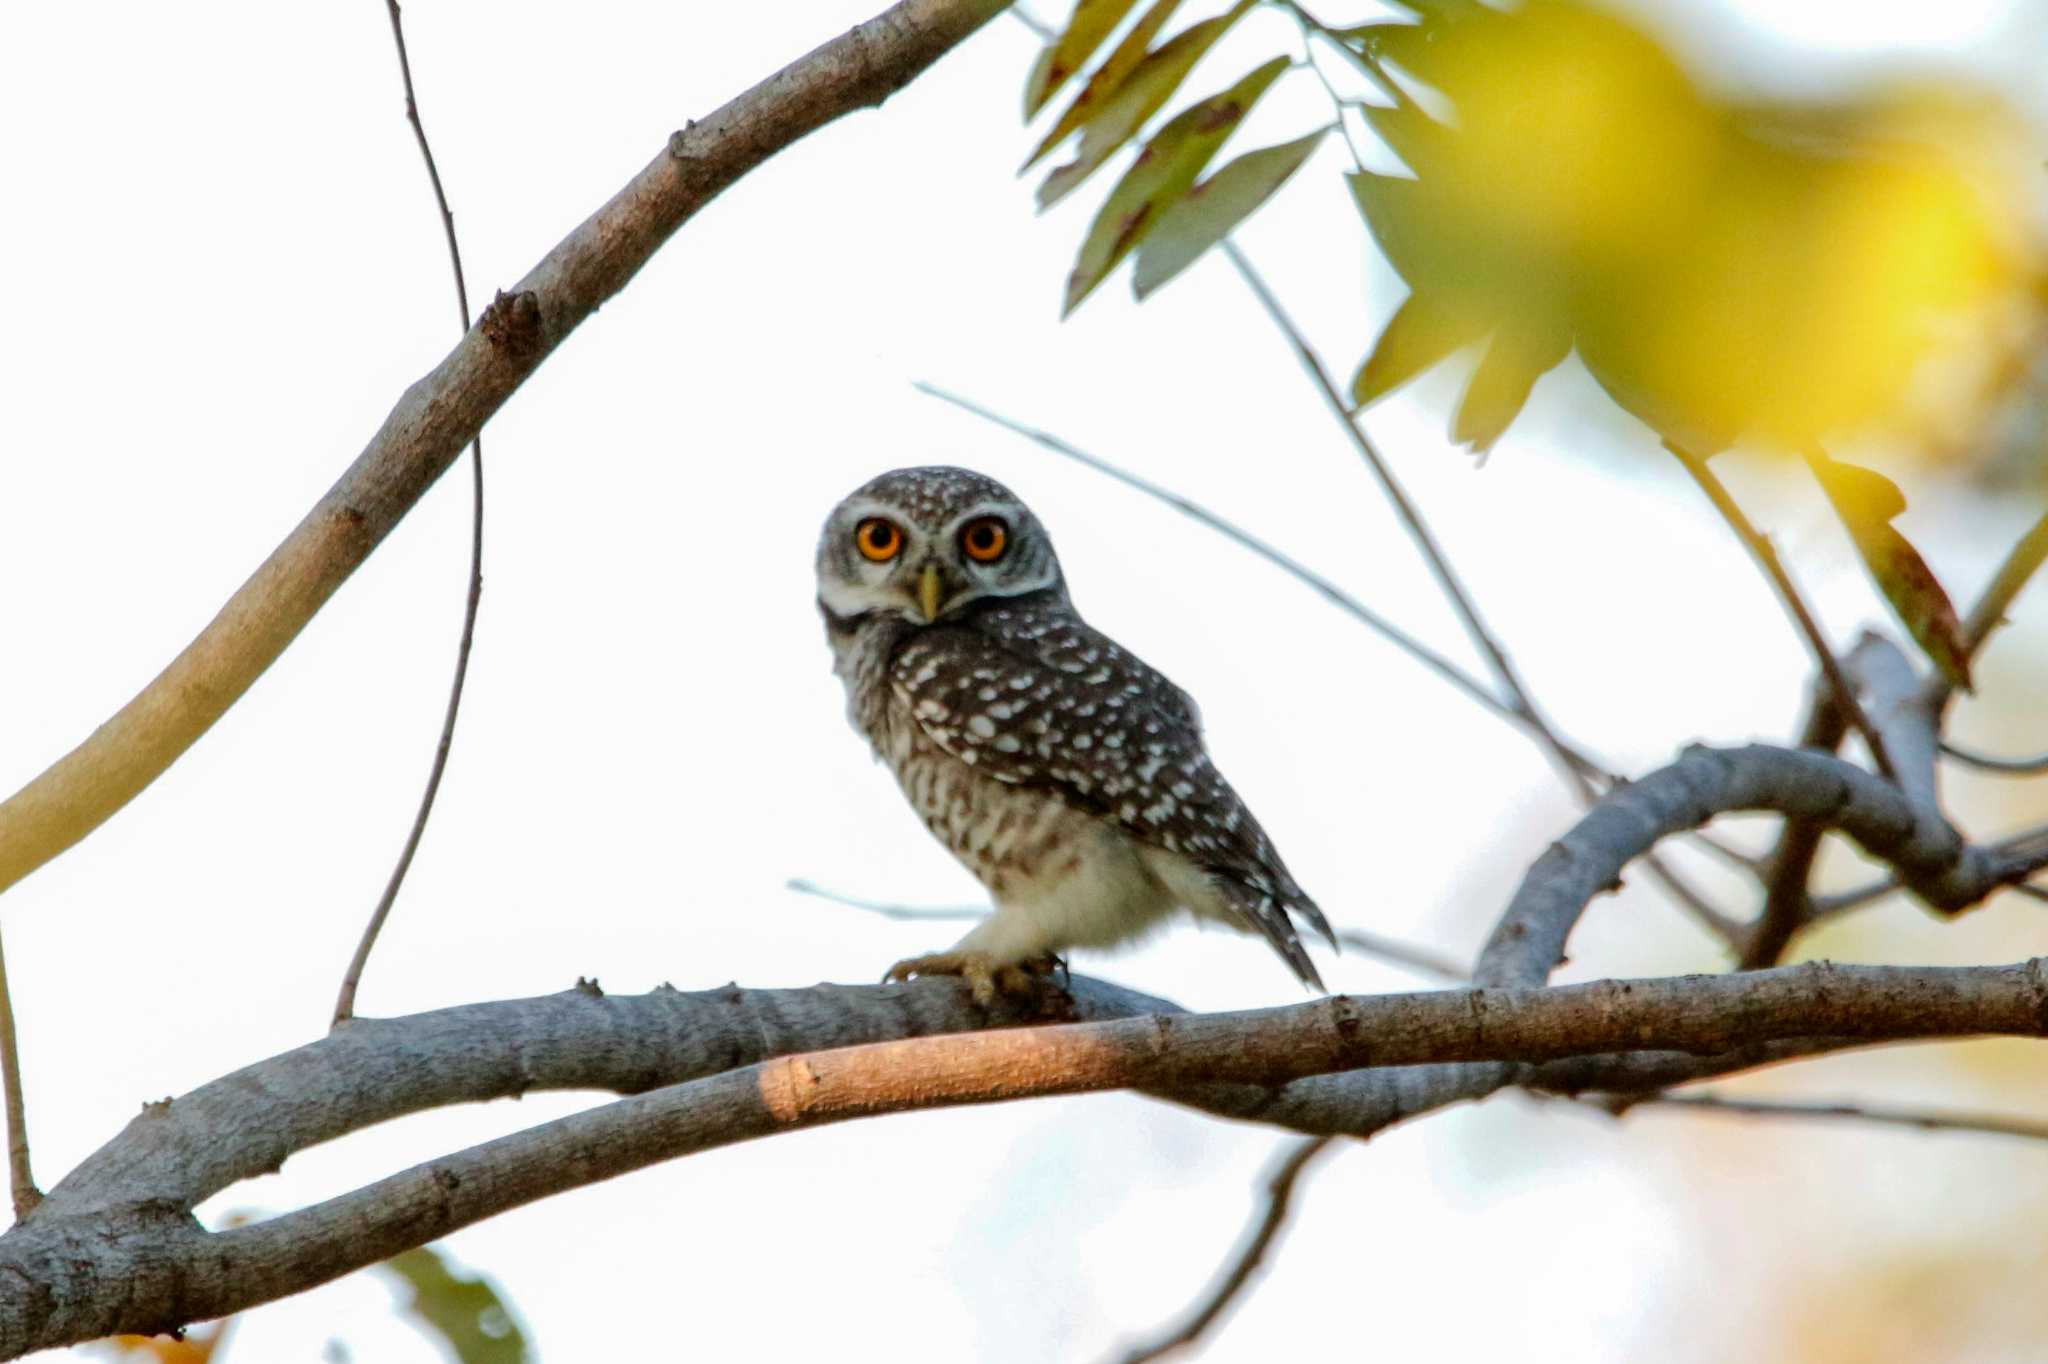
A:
<point x="225" y="268"/>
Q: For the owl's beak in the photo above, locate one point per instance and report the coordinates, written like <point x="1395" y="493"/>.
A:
<point x="930" y="590"/>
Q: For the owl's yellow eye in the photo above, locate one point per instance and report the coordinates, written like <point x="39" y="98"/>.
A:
<point x="878" y="540"/>
<point x="985" y="538"/>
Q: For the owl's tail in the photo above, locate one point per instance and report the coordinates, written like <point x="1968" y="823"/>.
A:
<point x="1272" y="909"/>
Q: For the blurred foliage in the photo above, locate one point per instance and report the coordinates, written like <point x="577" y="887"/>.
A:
<point x="468" y="1314"/>
<point x="1777" y="274"/>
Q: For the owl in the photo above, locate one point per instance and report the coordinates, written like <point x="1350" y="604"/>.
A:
<point x="1065" y="773"/>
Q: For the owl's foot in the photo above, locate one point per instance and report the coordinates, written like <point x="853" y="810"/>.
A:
<point x="984" y="978"/>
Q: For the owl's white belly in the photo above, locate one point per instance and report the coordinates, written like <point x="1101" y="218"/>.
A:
<point x="1059" y="877"/>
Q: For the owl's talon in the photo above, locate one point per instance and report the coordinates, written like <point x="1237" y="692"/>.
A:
<point x="985" y="980"/>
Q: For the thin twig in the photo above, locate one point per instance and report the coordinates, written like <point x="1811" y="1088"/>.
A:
<point x="2010" y="767"/>
<point x="1735" y="857"/>
<point x="1330" y="592"/>
<point x="1420" y="960"/>
<point x="1726" y="928"/>
<point x="345" y="1001"/>
<point x="1418" y="529"/>
<point x="21" y="1179"/>
<point x="2027" y="842"/>
<point x="1925" y="1120"/>
<point x="1841" y="902"/>
<point x="910" y="913"/>
<point x="1766" y="555"/>
<point x="1788" y="871"/>
<point x="1580" y="774"/>
<point x="1280" y="1186"/>
<point x="1040" y="29"/>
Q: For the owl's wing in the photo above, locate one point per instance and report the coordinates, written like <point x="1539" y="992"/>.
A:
<point x="1058" y="706"/>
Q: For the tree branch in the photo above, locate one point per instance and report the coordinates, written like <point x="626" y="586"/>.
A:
<point x="1919" y="1119"/>
<point x="1578" y="773"/>
<point x="1928" y="855"/>
<point x="114" y="1246"/>
<point x="1286" y="563"/>
<point x="442" y="412"/>
<point x="1788" y="869"/>
<point x="1986" y="762"/>
<point x="1245" y="1262"/>
<point x="1766" y="555"/>
<point x="21" y="1179"/>
<point x="345" y="998"/>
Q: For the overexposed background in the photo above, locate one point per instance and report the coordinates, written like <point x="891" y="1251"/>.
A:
<point x="226" y="266"/>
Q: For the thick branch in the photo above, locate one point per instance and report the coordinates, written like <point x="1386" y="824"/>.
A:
<point x="114" y="1248"/>
<point x="442" y="412"/>
<point x="1930" y="857"/>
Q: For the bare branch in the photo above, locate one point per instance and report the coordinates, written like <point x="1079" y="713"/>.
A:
<point x="443" y="412"/>
<point x="345" y="1000"/>
<point x="1245" y="1261"/>
<point x="1788" y="870"/>
<point x="1411" y="518"/>
<point x="1279" y="558"/>
<point x="888" y="910"/>
<point x="1420" y="960"/>
<point x="114" y="1248"/>
<point x="1580" y="774"/>
<point x="2010" y="767"/>
<point x="1929" y="856"/>
<point x="1586" y="774"/>
<point x="1925" y="1120"/>
<point x="1888" y="688"/>
<point x="21" y="1178"/>
<point x="1766" y="555"/>
<point x="2026" y="845"/>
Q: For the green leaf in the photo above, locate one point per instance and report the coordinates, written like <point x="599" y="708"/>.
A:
<point x="1515" y="359"/>
<point x="1140" y="96"/>
<point x="468" y="1314"/>
<point x="1406" y="45"/>
<point x="1092" y="22"/>
<point x="1163" y="172"/>
<point x="1107" y="79"/>
<point x="1421" y="333"/>
<point x="1415" y="137"/>
<point x="1867" y="501"/>
<point x="1214" y="208"/>
<point x="1408" y="221"/>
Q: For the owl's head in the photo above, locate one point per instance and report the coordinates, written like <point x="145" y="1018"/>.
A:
<point x="926" y="543"/>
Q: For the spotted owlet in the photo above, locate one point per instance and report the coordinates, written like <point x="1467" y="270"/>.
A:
<point x="1065" y="773"/>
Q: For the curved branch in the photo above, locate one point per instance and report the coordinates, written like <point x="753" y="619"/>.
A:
<point x="114" y="1247"/>
<point x="1930" y="857"/>
<point x="1245" y="1260"/>
<point x="442" y="412"/>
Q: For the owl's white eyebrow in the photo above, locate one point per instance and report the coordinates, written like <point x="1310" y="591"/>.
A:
<point x="1001" y="510"/>
<point x="861" y="511"/>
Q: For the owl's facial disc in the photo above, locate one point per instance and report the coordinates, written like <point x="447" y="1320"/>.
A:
<point x="911" y="545"/>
